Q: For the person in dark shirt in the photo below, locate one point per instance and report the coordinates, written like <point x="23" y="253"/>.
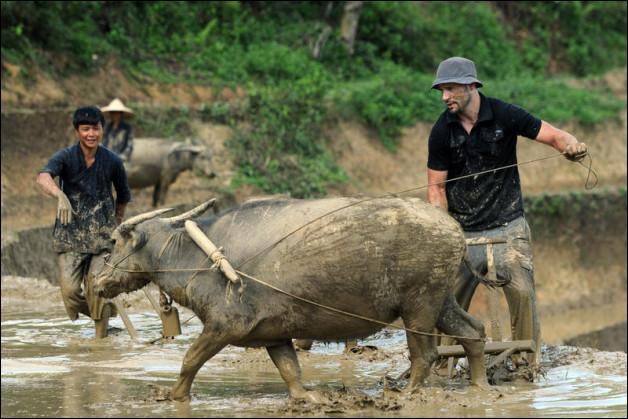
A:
<point x="475" y="134"/>
<point x="118" y="136"/>
<point x="86" y="212"/>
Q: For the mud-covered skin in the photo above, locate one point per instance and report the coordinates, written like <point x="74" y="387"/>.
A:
<point x="381" y="259"/>
<point x="156" y="162"/>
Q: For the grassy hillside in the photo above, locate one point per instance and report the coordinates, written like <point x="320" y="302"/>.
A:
<point x="525" y="53"/>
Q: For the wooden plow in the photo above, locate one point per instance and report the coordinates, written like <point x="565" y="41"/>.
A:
<point x="502" y="349"/>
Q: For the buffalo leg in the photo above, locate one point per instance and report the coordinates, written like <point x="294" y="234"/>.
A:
<point x="422" y="348"/>
<point x="454" y="320"/>
<point x="102" y="324"/>
<point x="285" y="359"/>
<point x="165" y="185"/>
<point x="156" y="194"/>
<point x="203" y="348"/>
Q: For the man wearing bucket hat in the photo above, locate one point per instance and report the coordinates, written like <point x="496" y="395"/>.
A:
<point x="475" y="134"/>
<point x="118" y="136"/>
<point x="86" y="213"/>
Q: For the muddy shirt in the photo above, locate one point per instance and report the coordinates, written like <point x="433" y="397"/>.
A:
<point x="89" y="192"/>
<point x="119" y="140"/>
<point x="492" y="199"/>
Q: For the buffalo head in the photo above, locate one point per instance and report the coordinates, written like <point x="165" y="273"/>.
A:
<point x="198" y="158"/>
<point x="203" y="163"/>
<point x="133" y="260"/>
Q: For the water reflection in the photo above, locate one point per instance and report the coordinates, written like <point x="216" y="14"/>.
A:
<point x="567" y="389"/>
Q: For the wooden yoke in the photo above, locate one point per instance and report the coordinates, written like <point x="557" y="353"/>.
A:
<point x="213" y="252"/>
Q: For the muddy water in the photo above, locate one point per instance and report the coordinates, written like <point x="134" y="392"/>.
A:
<point x="53" y="367"/>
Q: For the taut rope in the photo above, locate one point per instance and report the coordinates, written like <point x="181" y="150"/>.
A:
<point x="590" y="171"/>
<point x="305" y="300"/>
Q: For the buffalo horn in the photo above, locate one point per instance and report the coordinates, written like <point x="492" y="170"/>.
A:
<point x="194" y="212"/>
<point x="191" y="148"/>
<point x="133" y="221"/>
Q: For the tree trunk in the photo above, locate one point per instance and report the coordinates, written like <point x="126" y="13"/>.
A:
<point x="349" y="24"/>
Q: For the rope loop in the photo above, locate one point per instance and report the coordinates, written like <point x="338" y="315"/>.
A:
<point x="217" y="256"/>
<point x="589" y="172"/>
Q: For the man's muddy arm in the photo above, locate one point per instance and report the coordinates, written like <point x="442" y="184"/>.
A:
<point x="47" y="185"/>
<point x="436" y="194"/>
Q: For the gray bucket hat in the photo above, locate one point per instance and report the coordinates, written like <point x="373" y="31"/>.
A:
<point x="456" y="70"/>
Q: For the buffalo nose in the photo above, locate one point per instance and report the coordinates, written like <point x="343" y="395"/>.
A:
<point x="99" y="290"/>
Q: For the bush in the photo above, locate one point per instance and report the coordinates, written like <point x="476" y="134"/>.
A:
<point x="280" y="148"/>
<point x="265" y="47"/>
<point x="390" y="100"/>
<point x="553" y="100"/>
<point x="421" y="34"/>
<point x="569" y="36"/>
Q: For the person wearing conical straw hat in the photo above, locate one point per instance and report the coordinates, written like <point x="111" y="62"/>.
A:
<point x="118" y="135"/>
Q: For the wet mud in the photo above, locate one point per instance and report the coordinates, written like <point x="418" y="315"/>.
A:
<point x="53" y="367"/>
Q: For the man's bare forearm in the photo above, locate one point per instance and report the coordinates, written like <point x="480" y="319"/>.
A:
<point x="436" y="192"/>
<point x="437" y="197"/>
<point x="555" y="137"/>
<point x="47" y="184"/>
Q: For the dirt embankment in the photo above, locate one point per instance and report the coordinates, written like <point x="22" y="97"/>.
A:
<point x="36" y="121"/>
<point x="579" y="255"/>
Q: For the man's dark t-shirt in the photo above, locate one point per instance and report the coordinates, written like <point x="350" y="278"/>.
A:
<point x="484" y="201"/>
<point x="89" y="192"/>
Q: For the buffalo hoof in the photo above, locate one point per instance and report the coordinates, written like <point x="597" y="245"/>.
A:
<point x="410" y="390"/>
<point x="185" y="398"/>
<point x="483" y="385"/>
<point x="313" y="396"/>
<point x="310" y="396"/>
<point x="179" y="396"/>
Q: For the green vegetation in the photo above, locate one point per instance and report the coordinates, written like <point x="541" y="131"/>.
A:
<point x="554" y="215"/>
<point x="523" y="50"/>
<point x="172" y="122"/>
<point x="555" y="206"/>
<point x="279" y="147"/>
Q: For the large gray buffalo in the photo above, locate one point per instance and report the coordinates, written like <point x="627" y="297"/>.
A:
<point x="382" y="259"/>
<point x="157" y="162"/>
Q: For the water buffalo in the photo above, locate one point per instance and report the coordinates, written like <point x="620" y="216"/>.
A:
<point x="157" y="162"/>
<point x="383" y="258"/>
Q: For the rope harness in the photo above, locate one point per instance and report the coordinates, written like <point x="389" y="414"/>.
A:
<point x="218" y="253"/>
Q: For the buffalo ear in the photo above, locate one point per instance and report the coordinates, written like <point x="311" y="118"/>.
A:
<point x="139" y="240"/>
<point x="125" y="230"/>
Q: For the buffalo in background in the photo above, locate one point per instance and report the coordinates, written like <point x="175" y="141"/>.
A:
<point x="158" y="162"/>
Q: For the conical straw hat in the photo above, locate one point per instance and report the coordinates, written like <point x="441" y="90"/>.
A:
<point x="116" y="105"/>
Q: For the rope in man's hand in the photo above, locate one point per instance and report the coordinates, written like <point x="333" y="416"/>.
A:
<point x="590" y="171"/>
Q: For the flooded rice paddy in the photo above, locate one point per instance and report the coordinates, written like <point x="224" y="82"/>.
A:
<point x="53" y="367"/>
